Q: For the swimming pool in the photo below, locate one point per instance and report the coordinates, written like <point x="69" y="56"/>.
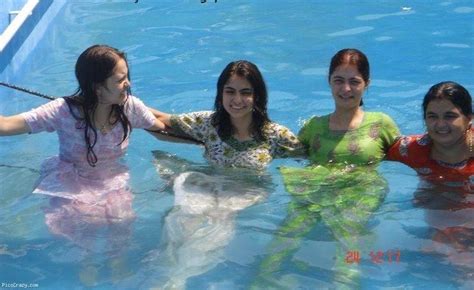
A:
<point x="176" y="50"/>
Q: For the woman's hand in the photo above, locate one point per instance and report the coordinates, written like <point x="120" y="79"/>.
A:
<point x="13" y="125"/>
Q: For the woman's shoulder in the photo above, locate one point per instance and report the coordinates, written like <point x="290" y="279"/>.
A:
<point x="275" y="126"/>
<point x="275" y="129"/>
<point x="414" y="146"/>
<point x="194" y="117"/>
<point x="59" y="101"/>
<point x="197" y="124"/>
<point x="422" y="140"/>
<point x="315" y="121"/>
<point x="133" y="103"/>
<point x="319" y="118"/>
<point x="133" y="100"/>
<point x="56" y="105"/>
<point x="312" y="126"/>
<point x="202" y="114"/>
<point x="382" y="119"/>
<point x="378" y="116"/>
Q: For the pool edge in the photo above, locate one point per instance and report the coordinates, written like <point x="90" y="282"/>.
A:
<point x="20" y="29"/>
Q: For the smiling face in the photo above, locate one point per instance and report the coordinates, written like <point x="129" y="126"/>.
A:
<point x="446" y="123"/>
<point x="113" y="91"/>
<point x="238" y="99"/>
<point x="347" y="86"/>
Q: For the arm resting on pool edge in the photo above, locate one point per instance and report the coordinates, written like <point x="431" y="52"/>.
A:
<point x="13" y="125"/>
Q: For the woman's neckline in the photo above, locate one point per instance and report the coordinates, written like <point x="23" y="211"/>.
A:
<point x="349" y="128"/>
<point x="446" y="159"/>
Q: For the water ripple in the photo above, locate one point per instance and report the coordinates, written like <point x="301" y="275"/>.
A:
<point x="383" y="38"/>
<point x="387" y="83"/>
<point x="351" y="31"/>
<point x="445" y="3"/>
<point x="234" y="28"/>
<point x="315" y="71"/>
<point x="443" y="67"/>
<point x="215" y="59"/>
<point x="464" y="10"/>
<point x="406" y="94"/>
<point x="453" y="45"/>
<point x="405" y="11"/>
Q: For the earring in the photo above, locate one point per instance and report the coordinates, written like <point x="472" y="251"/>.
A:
<point x="469" y="135"/>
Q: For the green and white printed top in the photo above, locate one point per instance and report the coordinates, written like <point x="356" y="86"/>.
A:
<point x="281" y="142"/>
<point x="364" y="145"/>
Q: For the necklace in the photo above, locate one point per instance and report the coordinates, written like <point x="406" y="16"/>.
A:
<point x="106" y="124"/>
<point x="103" y="128"/>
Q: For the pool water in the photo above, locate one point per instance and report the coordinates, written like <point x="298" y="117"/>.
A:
<point x="201" y="228"/>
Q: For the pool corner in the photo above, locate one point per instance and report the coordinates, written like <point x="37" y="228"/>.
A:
<point x="20" y="26"/>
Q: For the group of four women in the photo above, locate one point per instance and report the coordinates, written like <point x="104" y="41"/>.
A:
<point x="94" y="125"/>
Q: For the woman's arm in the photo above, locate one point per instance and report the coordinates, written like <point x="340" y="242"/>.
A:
<point x="168" y="136"/>
<point x="13" y="125"/>
<point x="157" y="126"/>
<point x="166" y="133"/>
<point x="288" y="144"/>
<point x="162" y="117"/>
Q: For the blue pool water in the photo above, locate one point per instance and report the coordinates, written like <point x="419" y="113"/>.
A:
<point x="176" y="49"/>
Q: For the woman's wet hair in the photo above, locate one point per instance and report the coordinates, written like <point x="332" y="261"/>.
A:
<point x="451" y="91"/>
<point x="93" y="67"/>
<point x="354" y="57"/>
<point x="221" y="118"/>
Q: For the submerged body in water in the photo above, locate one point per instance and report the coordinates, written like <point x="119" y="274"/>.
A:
<point x="201" y="223"/>
<point x="449" y="213"/>
<point x="343" y="198"/>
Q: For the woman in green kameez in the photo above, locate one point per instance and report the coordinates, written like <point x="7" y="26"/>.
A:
<point x="341" y="187"/>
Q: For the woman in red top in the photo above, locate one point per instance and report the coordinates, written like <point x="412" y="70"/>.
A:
<point x="444" y="155"/>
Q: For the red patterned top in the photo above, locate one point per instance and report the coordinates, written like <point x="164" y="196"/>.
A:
<point x="415" y="150"/>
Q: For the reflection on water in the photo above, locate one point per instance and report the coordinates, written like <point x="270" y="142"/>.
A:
<point x="449" y="214"/>
<point x="343" y="199"/>
<point x="202" y="221"/>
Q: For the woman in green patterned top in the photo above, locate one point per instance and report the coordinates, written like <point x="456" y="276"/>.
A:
<point x="349" y="134"/>
<point x="339" y="188"/>
<point x="239" y="132"/>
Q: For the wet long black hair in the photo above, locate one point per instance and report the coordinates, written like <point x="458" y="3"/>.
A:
<point x="221" y="118"/>
<point x="93" y="67"/>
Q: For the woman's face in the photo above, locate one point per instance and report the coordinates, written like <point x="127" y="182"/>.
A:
<point x="114" y="90"/>
<point x="445" y="122"/>
<point x="347" y="86"/>
<point x="238" y="98"/>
